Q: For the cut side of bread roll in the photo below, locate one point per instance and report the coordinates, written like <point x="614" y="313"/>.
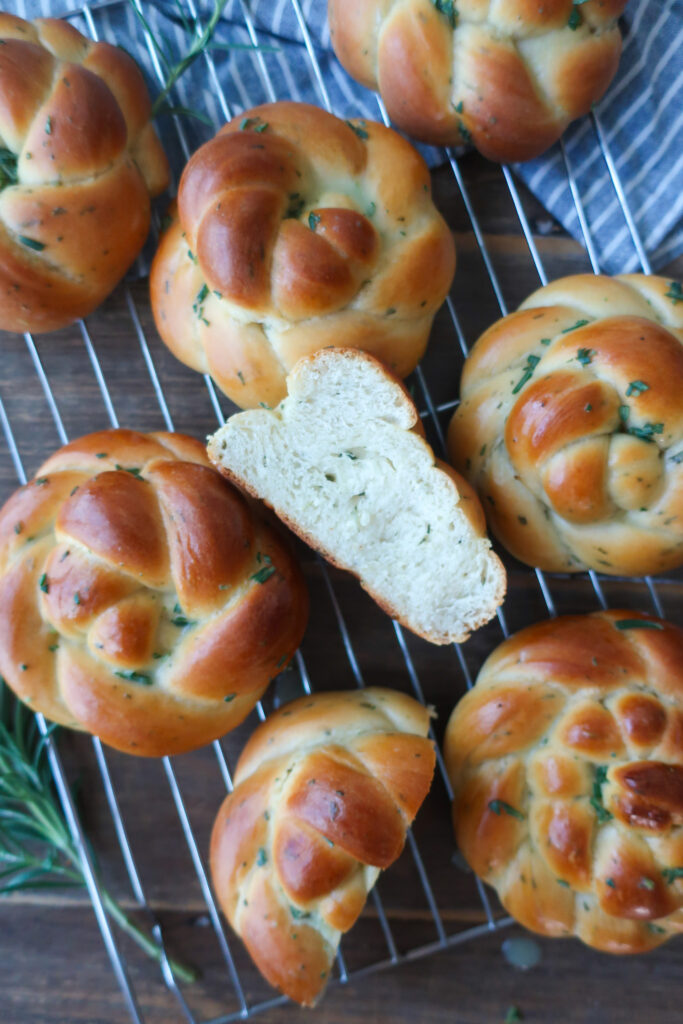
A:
<point x="342" y="462"/>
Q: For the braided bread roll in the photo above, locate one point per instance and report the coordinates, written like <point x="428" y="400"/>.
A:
<point x="570" y="425"/>
<point x="79" y="160"/>
<point x="566" y="760"/>
<point x="324" y="792"/>
<point x="140" y="599"/>
<point x="294" y="229"/>
<point x="506" y="75"/>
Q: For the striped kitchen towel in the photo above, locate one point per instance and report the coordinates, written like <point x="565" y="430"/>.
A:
<point x="640" y="116"/>
<point x="642" y="121"/>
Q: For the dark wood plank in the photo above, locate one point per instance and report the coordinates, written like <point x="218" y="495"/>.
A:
<point x="66" y="980"/>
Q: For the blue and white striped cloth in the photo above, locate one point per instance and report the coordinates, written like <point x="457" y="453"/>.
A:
<point x="641" y="115"/>
<point x="642" y="120"/>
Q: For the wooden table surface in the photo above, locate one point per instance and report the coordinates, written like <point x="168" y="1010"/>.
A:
<point x="54" y="967"/>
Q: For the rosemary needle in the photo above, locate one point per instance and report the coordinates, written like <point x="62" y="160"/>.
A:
<point x="36" y="848"/>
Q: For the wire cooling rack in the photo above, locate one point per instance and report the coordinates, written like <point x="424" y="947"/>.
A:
<point x="92" y="18"/>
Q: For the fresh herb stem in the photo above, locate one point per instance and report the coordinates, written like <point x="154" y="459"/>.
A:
<point x="30" y="814"/>
<point x="144" y="941"/>
<point x="200" y="43"/>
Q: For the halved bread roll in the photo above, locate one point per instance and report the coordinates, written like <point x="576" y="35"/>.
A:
<point x="340" y="460"/>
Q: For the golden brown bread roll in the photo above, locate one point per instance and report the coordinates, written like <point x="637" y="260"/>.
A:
<point x="508" y="76"/>
<point x="296" y="229"/>
<point x="80" y="160"/>
<point x="570" y="425"/>
<point x="566" y="761"/>
<point x="324" y="792"/>
<point x="140" y="599"/>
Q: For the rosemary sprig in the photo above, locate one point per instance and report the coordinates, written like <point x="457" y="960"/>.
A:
<point x="202" y="42"/>
<point x="36" y="848"/>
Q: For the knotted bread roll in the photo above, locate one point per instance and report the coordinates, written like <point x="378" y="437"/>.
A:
<point x="571" y="425"/>
<point x="296" y="229"/>
<point x="506" y="75"/>
<point x="566" y="761"/>
<point x="324" y="793"/>
<point x="140" y="599"/>
<point x="79" y="160"/>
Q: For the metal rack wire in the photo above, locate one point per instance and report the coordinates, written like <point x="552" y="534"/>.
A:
<point x="88" y="14"/>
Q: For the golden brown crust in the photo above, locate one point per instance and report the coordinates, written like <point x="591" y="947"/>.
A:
<point x="324" y="793"/>
<point x="566" y="761"/>
<point x="509" y="76"/>
<point x="571" y="429"/>
<point x="294" y="228"/>
<point x="140" y="599"/>
<point x="75" y="114"/>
